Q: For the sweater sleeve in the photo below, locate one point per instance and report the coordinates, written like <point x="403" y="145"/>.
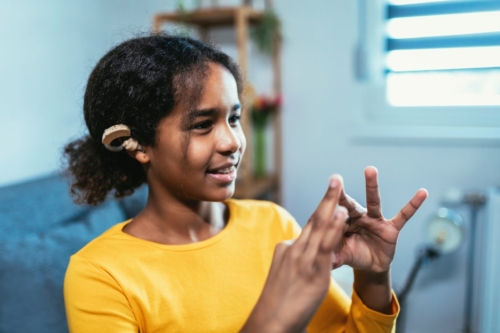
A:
<point x="94" y="301"/>
<point x="338" y="313"/>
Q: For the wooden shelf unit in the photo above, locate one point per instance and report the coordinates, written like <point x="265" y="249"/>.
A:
<point x="209" y="18"/>
<point x="240" y="18"/>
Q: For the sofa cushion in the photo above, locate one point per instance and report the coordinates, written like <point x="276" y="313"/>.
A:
<point x="32" y="265"/>
<point x="37" y="206"/>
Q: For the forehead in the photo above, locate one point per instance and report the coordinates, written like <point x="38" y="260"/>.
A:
<point x="219" y="87"/>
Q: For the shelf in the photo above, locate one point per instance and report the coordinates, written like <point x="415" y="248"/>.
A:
<point x="255" y="188"/>
<point x="210" y="17"/>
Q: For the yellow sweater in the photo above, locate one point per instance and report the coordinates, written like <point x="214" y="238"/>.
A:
<point x="120" y="283"/>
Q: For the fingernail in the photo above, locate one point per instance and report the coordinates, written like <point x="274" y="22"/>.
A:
<point x="340" y="213"/>
<point x="334" y="258"/>
<point x="334" y="182"/>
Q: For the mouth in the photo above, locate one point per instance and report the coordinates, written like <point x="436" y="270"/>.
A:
<point x="224" y="174"/>
<point x="225" y="170"/>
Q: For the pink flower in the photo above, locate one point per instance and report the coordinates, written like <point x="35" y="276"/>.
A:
<point x="266" y="103"/>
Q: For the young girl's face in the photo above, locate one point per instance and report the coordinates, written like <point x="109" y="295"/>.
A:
<point x="198" y="150"/>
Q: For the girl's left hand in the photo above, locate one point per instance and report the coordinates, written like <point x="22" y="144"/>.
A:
<point x="370" y="241"/>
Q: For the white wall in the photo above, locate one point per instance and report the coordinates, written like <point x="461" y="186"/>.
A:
<point x="320" y="98"/>
<point x="49" y="48"/>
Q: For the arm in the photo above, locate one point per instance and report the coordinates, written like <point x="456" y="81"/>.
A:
<point x="299" y="277"/>
<point x="370" y="244"/>
<point x="368" y="247"/>
<point x="289" y="301"/>
<point x="94" y="301"/>
<point x="341" y="313"/>
<point x="374" y="289"/>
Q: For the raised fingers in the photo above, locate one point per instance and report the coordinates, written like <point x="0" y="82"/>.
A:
<point x="323" y="219"/>
<point x="326" y="238"/>
<point x="332" y="238"/>
<point x="354" y="209"/>
<point x="409" y="209"/>
<point x="327" y="206"/>
<point x="279" y="253"/>
<point x="372" y="194"/>
<point x="301" y="242"/>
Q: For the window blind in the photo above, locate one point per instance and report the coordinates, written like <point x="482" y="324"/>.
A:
<point x="443" y="53"/>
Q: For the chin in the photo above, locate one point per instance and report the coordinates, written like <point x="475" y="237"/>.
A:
<point x="221" y="194"/>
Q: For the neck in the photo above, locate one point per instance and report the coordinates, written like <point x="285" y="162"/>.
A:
<point x="169" y="220"/>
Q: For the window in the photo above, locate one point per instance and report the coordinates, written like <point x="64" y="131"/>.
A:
<point x="428" y="69"/>
<point x="443" y="53"/>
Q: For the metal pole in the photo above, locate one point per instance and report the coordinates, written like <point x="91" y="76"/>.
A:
<point x="475" y="201"/>
<point x="469" y="291"/>
<point x="424" y="256"/>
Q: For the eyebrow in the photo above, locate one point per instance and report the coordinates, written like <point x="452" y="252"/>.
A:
<point x="208" y="112"/>
<point x="201" y="113"/>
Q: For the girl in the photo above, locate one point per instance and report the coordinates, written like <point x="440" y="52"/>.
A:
<point x="165" y="110"/>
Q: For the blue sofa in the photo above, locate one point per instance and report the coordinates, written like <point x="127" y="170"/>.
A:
<point x="40" y="228"/>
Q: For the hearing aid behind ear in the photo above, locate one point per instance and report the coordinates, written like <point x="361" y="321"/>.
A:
<point x="116" y="132"/>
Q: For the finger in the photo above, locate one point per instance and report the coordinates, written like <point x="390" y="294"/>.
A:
<point x="354" y="209"/>
<point x="301" y="242"/>
<point x="318" y="251"/>
<point x="322" y="216"/>
<point x="372" y="193"/>
<point x="279" y="253"/>
<point x="341" y="259"/>
<point x="347" y="202"/>
<point x="353" y="228"/>
<point x="333" y="236"/>
<point x="327" y="206"/>
<point x="411" y="207"/>
<point x="280" y="250"/>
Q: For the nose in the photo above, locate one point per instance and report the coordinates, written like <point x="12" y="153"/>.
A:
<point x="228" y="140"/>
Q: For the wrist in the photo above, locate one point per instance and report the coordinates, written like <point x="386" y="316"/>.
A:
<point x="374" y="289"/>
<point x="372" y="277"/>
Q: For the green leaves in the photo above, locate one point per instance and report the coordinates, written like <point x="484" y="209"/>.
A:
<point x="267" y="31"/>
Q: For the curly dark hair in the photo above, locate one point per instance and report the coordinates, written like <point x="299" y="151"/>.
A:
<point x="137" y="83"/>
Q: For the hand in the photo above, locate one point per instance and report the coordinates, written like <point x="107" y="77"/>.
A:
<point x="370" y="240"/>
<point x="299" y="277"/>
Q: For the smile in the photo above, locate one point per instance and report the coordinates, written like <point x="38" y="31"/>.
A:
<point x="223" y="175"/>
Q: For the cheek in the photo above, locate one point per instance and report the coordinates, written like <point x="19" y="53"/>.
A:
<point x="167" y="161"/>
<point x="199" y="153"/>
<point x="168" y="157"/>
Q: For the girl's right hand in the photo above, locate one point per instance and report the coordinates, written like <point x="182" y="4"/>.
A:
<point x="299" y="277"/>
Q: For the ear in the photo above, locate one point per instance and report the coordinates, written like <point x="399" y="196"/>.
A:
<point x="139" y="154"/>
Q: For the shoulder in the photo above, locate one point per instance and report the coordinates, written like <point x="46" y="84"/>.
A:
<point x="106" y="245"/>
<point x="264" y="215"/>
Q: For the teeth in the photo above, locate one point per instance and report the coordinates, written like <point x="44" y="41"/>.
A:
<point x="225" y="170"/>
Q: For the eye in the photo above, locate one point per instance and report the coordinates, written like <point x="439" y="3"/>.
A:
<point x="203" y="125"/>
<point x="235" y="119"/>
